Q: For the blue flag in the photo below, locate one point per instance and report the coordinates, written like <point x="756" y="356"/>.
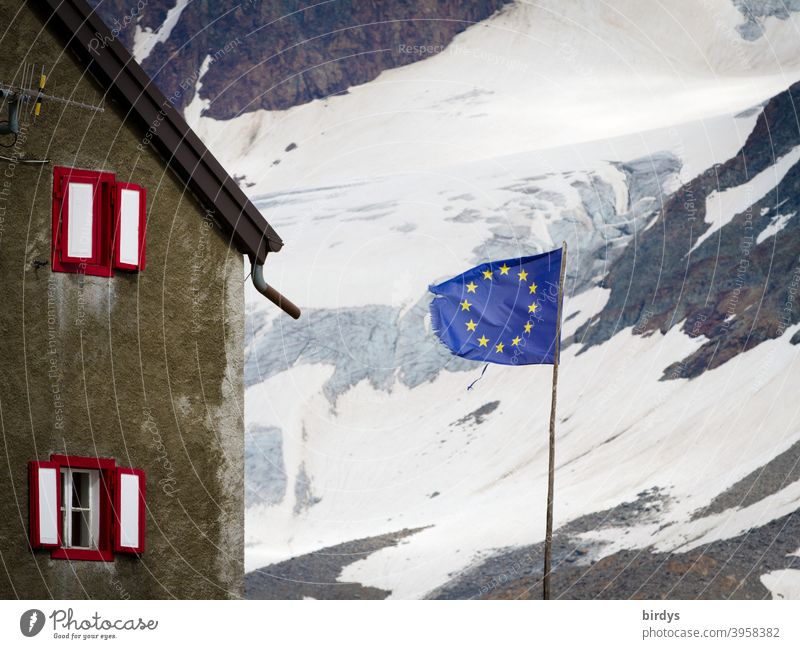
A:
<point x="501" y="312"/>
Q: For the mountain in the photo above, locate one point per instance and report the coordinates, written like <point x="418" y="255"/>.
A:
<point x="377" y="433"/>
<point x="732" y="231"/>
<point x="278" y="54"/>
<point x="662" y="143"/>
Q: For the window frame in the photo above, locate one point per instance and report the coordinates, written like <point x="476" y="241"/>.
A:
<point x="105" y="468"/>
<point x="67" y="508"/>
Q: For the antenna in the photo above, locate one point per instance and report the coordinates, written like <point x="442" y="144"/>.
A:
<point x="31" y="96"/>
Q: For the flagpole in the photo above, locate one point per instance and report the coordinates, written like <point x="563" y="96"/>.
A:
<point x="551" y="468"/>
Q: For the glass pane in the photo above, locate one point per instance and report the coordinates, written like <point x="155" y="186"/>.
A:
<point x="80" y="530"/>
<point x="80" y="489"/>
<point x="63" y="493"/>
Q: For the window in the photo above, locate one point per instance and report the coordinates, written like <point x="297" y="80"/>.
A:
<point x="98" y="223"/>
<point x="85" y="508"/>
<point x="80" y="508"/>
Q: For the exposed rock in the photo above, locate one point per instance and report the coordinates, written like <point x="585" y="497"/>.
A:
<point x="769" y="479"/>
<point x="726" y="569"/>
<point x="730" y="289"/>
<point x="477" y="417"/>
<point x="315" y="575"/>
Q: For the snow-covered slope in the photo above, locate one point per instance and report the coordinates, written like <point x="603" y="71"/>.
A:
<point x="384" y="461"/>
<point x="550" y="121"/>
<point x="535" y="76"/>
<point x="368" y="422"/>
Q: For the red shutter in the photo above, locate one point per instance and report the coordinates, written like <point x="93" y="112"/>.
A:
<point x="82" y="218"/>
<point x="129" y="226"/>
<point x="45" y="504"/>
<point x="129" y="503"/>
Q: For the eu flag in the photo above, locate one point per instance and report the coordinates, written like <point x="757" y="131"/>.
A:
<point x="502" y="312"/>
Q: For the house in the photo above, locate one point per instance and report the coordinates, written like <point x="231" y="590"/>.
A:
<point x="122" y="245"/>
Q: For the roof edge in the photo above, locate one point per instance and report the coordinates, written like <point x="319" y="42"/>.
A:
<point x="88" y="37"/>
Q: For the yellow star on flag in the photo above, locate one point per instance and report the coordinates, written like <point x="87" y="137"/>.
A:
<point x="499" y="348"/>
<point x="465" y="305"/>
<point x="533" y="287"/>
<point x="504" y="269"/>
<point x="471" y="325"/>
<point x="533" y="307"/>
<point x="483" y="341"/>
<point x="487" y="274"/>
<point x="471" y="287"/>
<point x="515" y="342"/>
<point x="528" y="327"/>
<point x="523" y="275"/>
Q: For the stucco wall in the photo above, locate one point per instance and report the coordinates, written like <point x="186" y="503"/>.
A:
<point x="144" y="368"/>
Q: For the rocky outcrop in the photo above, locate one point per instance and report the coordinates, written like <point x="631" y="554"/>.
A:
<point x="724" y="569"/>
<point x="735" y="289"/>
<point x="315" y="575"/>
<point x="283" y="53"/>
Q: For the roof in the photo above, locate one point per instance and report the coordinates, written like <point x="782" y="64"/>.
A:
<point x="117" y="71"/>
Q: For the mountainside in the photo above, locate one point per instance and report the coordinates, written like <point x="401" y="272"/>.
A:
<point x="275" y="55"/>
<point x="732" y="231"/>
<point x="662" y="142"/>
<point x="369" y="421"/>
<point x="530" y="78"/>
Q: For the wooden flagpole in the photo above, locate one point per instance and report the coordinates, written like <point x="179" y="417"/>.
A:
<point x="551" y="469"/>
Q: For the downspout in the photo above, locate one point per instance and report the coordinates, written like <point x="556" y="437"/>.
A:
<point x="257" y="271"/>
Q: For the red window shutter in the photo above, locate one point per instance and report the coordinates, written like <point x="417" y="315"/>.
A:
<point x="129" y="503"/>
<point x="82" y="221"/>
<point x="130" y="219"/>
<point x="45" y="504"/>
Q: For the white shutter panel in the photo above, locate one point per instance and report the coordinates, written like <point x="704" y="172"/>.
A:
<point x="129" y="504"/>
<point x="80" y="218"/>
<point x="44" y="493"/>
<point x="129" y="243"/>
<point x="80" y="231"/>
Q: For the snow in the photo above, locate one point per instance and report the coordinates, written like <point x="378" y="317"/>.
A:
<point x="534" y="77"/>
<point x="145" y="39"/>
<point x="376" y="459"/>
<point x="356" y="233"/>
<point x="721" y="207"/>
<point x="579" y="309"/>
<point x="511" y="141"/>
<point x="783" y="584"/>
<point x="777" y="224"/>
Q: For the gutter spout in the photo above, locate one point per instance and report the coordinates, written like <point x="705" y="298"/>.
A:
<point x="286" y="305"/>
